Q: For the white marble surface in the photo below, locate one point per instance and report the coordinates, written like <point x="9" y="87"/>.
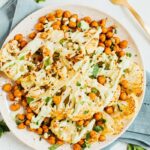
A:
<point x="8" y="141"/>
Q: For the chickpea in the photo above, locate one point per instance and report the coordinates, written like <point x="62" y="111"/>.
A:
<point x="109" y="35"/>
<point x="108" y="43"/>
<point x="24" y="103"/>
<point x="43" y="35"/>
<point x="102" y="23"/>
<point x="29" y="110"/>
<point x="72" y="24"/>
<point x="124" y="83"/>
<point x="21" y="126"/>
<point x="121" y="53"/>
<point x="123" y="96"/>
<point x="30" y="129"/>
<point x="52" y="139"/>
<point x="59" y="13"/>
<point x="102" y="37"/>
<point x="46" y="121"/>
<point x="64" y="28"/>
<point x="67" y="14"/>
<point x="56" y="27"/>
<point x="102" y="138"/>
<point x="15" y="87"/>
<point x="101" y="44"/>
<point x="104" y="30"/>
<point x="29" y="116"/>
<point x="42" y="19"/>
<point x="138" y="91"/>
<point x="21" y="116"/>
<point x="17" y="93"/>
<point x="32" y="35"/>
<point x="77" y="147"/>
<point x="39" y="26"/>
<point x="40" y="130"/>
<point x="117" y="40"/>
<point x="93" y="134"/>
<point x="100" y="123"/>
<point x="80" y="123"/>
<point x="50" y="17"/>
<point x="109" y="109"/>
<point x="116" y="48"/>
<point x="98" y="116"/>
<point x="7" y="87"/>
<point x="81" y="142"/>
<point x="14" y="107"/>
<point x="27" y="122"/>
<point x="18" y="37"/>
<point x="11" y="96"/>
<point x="87" y="19"/>
<point x="101" y="80"/>
<point x="123" y="44"/>
<point x="59" y="142"/>
<point x="107" y="50"/>
<point x="57" y="99"/>
<point x="86" y="122"/>
<point x="75" y="16"/>
<point x="45" y="128"/>
<point x="94" y="24"/>
<point x="23" y="43"/>
<point x="92" y="96"/>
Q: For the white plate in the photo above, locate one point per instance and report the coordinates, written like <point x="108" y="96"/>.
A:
<point x="25" y="27"/>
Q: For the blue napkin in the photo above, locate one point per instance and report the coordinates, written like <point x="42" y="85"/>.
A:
<point x="139" y="131"/>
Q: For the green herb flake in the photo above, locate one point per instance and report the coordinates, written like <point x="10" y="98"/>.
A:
<point x="3" y="128"/>
<point x="128" y="54"/>
<point x="119" y="108"/>
<point x="47" y="62"/>
<point x="78" y="84"/>
<point x="94" y="90"/>
<point x="79" y="25"/>
<point x="47" y="99"/>
<point x="86" y="145"/>
<point x="22" y="58"/>
<point x="54" y="147"/>
<point x="86" y="112"/>
<point x="95" y="70"/>
<point x="38" y="1"/>
<point x="98" y="128"/>
<point x="29" y="100"/>
<point x="103" y="120"/>
<point x="62" y="41"/>
<point x="88" y="136"/>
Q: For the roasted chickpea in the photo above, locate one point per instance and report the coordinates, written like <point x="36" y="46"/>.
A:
<point x="42" y="19"/>
<point x="117" y="40"/>
<point x="109" y="35"/>
<point x="92" y="96"/>
<point x="116" y="48"/>
<point x="64" y="28"/>
<point x="101" y="80"/>
<point x="108" y="43"/>
<point x="23" y="43"/>
<point x="102" y="37"/>
<point x="29" y="116"/>
<point x="40" y="130"/>
<point x="109" y="109"/>
<point x="75" y="16"/>
<point x="56" y="27"/>
<point x="43" y="35"/>
<point x="18" y="37"/>
<point x="67" y="14"/>
<point x="93" y="134"/>
<point x="98" y="116"/>
<point x="7" y="87"/>
<point x="102" y="138"/>
<point x="72" y="24"/>
<point x="121" y="53"/>
<point x="87" y="19"/>
<point x="11" y="96"/>
<point x="104" y="30"/>
<point x="80" y="123"/>
<point x="123" y="96"/>
<point x="102" y="23"/>
<point x="24" y="103"/>
<point x="123" y="44"/>
<point x="29" y="110"/>
<point x="32" y="35"/>
<point x="81" y="142"/>
<point x="59" y="142"/>
<point x="21" y="116"/>
<point x="14" y="107"/>
<point x="100" y="123"/>
<point x="21" y="126"/>
<point x="57" y="99"/>
<point x="59" y="13"/>
<point x="27" y="123"/>
<point x="137" y="91"/>
<point x="86" y="122"/>
<point x="124" y="83"/>
<point x="45" y="128"/>
<point x="94" y="24"/>
<point x="50" y="17"/>
<point x="17" y="93"/>
<point x="77" y="147"/>
<point x="107" y="50"/>
<point x="39" y="26"/>
<point x="101" y="44"/>
<point x="51" y="139"/>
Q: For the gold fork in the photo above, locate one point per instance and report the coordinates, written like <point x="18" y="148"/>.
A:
<point x="134" y="13"/>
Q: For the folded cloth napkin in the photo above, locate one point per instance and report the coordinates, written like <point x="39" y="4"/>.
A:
<point x="139" y="131"/>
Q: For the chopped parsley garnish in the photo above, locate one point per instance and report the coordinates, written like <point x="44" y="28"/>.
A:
<point x="40" y="1"/>
<point x="62" y="41"/>
<point x="86" y="111"/>
<point x="3" y="128"/>
<point x="134" y="147"/>
<point x="78" y="84"/>
<point x="94" y="90"/>
<point x="54" y="147"/>
<point x="119" y="108"/>
<point x="21" y="58"/>
<point x="103" y="120"/>
<point x="95" y="70"/>
<point x="47" y="62"/>
<point x="88" y="136"/>
<point x="79" y="25"/>
<point x="47" y="99"/>
<point x="29" y="100"/>
<point x="85" y="145"/>
<point x="128" y="54"/>
<point x="98" y="128"/>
